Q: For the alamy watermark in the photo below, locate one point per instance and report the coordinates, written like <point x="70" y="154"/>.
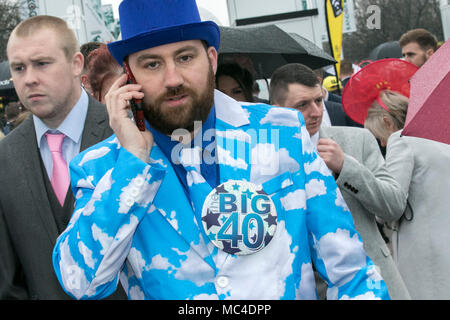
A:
<point x="239" y="148"/>
<point x="374" y="19"/>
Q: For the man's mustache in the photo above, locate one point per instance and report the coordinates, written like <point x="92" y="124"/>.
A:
<point x="176" y="91"/>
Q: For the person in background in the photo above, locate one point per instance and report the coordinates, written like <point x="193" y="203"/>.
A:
<point x="235" y="81"/>
<point x="418" y="45"/>
<point x="21" y="118"/>
<point x="333" y="113"/>
<point x="332" y="85"/>
<point x="101" y="72"/>
<point x="35" y="200"/>
<point x="256" y="93"/>
<point x="422" y="167"/>
<point x="352" y="154"/>
<point x="327" y="96"/>
<point x="12" y="111"/>
<point x="86" y="49"/>
<point x="346" y="72"/>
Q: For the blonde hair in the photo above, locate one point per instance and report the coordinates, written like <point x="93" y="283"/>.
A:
<point x="398" y="107"/>
<point x="68" y="41"/>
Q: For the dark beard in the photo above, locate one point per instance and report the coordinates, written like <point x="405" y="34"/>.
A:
<point x="167" y="121"/>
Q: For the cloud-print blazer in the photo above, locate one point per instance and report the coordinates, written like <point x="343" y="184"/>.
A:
<point x="134" y="222"/>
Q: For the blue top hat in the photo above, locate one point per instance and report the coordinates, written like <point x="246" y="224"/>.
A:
<point x="149" y="23"/>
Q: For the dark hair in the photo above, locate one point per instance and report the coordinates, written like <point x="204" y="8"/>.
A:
<point x="346" y="67"/>
<point x="100" y="64"/>
<point x="12" y="110"/>
<point x="288" y="74"/>
<point x="241" y="75"/>
<point x="424" y="38"/>
<point x="87" y="48"/>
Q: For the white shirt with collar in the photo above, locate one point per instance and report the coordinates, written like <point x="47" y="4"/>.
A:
<point x="71" y="127"/>
<point x="326" y="121"/>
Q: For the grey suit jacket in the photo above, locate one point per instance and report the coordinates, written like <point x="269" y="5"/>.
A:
<point x="28" y="229"/>
<point x="421" y="244"/>
<point x="369" y="191"/>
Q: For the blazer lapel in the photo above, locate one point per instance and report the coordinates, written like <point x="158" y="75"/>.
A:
<point x="96" y="126"/>
<point x="180" y="213"/>
<point x="29" y="157"/>
<point x="233" y="144"/>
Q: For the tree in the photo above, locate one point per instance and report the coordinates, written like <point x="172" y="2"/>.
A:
<point x="9" y="19"/>
<point x="379" y="21"/>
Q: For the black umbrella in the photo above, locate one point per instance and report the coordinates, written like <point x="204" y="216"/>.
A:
<point x="268" y="48"/>
<point x="386" y="50"/>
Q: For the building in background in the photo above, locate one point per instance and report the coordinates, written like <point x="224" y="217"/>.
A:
<point x="304" y="17"/>
<point x="90" y="20"/>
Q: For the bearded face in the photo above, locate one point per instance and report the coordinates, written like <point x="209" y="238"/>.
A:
<point x="179" y="107"/>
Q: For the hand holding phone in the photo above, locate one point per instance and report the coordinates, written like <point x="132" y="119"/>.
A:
<point x="131" y="138"/>
<point x="136" y="104"/>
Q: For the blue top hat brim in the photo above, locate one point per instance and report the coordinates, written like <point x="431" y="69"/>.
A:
<point x="206" y="30"/>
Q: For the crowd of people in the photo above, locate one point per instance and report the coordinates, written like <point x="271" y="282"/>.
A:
<point x="310" y="195"/>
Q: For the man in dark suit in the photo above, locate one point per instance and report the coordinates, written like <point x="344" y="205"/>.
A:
<point x="35" y="199"/>
<point x="337" y="115"/>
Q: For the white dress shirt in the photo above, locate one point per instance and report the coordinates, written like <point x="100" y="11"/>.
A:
<point x="326" y="121"/>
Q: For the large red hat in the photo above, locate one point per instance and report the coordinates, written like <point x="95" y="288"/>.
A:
<point x="365" y="86"/>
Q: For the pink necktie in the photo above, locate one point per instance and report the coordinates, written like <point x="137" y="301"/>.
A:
<point x="60" y="175"/>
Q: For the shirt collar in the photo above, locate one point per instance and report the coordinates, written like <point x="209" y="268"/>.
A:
<point x="315" y="138"/>
<point x="167" y="144"/>
<point x="73" y="124"/>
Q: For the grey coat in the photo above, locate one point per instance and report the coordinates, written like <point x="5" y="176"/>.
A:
<point x="422" y="237"/>
<point x="369" y="191"/>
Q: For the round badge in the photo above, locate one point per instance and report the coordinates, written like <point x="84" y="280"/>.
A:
<point x="239" y="217"/>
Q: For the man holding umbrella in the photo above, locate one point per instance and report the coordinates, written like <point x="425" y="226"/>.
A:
<point x="247" y="225"/>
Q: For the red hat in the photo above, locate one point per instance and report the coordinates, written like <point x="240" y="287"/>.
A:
<point x="365" y="86"/>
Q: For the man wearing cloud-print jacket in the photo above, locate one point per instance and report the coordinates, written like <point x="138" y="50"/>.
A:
<point x="139" y="208"/>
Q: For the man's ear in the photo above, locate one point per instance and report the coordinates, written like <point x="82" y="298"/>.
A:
<point x="429" y="53"/>
<point x="78" y="63"/>
<point x="213" y="57"/>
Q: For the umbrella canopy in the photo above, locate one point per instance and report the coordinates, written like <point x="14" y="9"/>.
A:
<point x="429" y="108"/>
<point x="386" y="50"/>
<point x="5" y="77"/>
<point x="264" y="49"/>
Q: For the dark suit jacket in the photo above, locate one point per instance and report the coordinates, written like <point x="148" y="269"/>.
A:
<point x="338" y="117"/>
<point x="334" y="97"/>
<point x="28" y="230"/>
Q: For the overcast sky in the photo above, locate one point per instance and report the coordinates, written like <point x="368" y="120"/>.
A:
<point x="217" y="7"/>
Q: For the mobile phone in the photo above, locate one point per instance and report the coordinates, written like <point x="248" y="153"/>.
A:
<point x="136" y="104"/>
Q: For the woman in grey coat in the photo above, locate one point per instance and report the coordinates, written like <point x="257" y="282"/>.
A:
<point x="422" y="167"/>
